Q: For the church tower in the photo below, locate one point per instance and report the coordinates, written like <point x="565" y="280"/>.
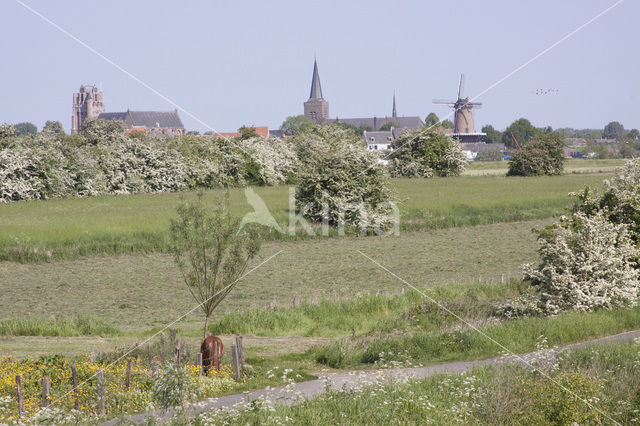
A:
<point x="394" y="111"/>
<point x="316" y="108"/>
<point x="87" y="103"/>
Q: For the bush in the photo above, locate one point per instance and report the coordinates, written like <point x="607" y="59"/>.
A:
<point x="542" y="156"/>
<point x="620" y="200"/>
<point x="339" y="182"/>
<point x="173" y="387"/>
<point x="426" y="152"/>
<point x="587" y="263"/>
<point x="104" y="159"/>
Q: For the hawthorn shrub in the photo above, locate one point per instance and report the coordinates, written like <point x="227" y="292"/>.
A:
<point x="104" y="159"/>
<point x="619" y="201"/>
<point x="587" y="263"/>
<point x="340" y="182"/>
<point x="541" y="156"/>
<point x="426" y="152"/>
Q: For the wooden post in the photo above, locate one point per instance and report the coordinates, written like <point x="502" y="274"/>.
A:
<point x="101" y="405"/>
<point x="74" y="380"/>
<point x="154" y="369"/>
<point x="234" y="360"/>
<point x="176" y="354"/>
<point x="501" y="278"/>
<point x="240" y="347"/>
<point x="172" y="334"/>
<point x="215" y="358"/>
<point x="127" y="379"/>
<point x="45" y="391"/>
<point x="20" y="400"/>
<point x="199" y="362"/>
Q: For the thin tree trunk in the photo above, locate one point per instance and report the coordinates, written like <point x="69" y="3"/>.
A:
<point x="206" y="325"/>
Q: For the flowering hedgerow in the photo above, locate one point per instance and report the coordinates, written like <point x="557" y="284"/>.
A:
<point x="104" y="159"/>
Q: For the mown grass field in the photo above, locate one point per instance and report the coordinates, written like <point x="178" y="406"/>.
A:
<point x="142" y="291"/>
<point x="573" y="165"/>
<point x="71" y="228"/>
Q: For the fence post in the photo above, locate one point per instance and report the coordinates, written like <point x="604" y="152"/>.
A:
<point x="74" y="380"/>
<point x="45" y="391"/>
<point x="216" y="357"/>
<point x="176" y="353"/>
<point x="240" y="347"/>
<point x="234" y="359"/>
<point x="199" y="362"/>
<point x="19" y="391"/>
<point x="101" y="405"/>
<point x="127" y="379"/>
<point x="501" y="278"/>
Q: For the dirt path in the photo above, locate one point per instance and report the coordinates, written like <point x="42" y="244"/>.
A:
<point x="293" y="393"/>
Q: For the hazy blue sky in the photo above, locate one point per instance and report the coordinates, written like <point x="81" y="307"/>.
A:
<point x="249" y="62"/>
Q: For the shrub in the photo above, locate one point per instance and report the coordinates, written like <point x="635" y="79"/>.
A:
<point x="620" y="200"/>
<point x="587" y="263"/>
<point x="426" y="152"/>
<point x="173" y="387"/>
<point x="542" y="156"/>
<point x="339" y="182"/>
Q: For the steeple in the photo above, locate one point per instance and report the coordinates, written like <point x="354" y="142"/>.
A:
<point x="316" y="88"/>
<point x="394" y="112"/>
<point x="316" y="108"/>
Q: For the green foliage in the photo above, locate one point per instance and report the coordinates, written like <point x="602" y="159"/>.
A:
<point x="558" y="402"/>
<point x="614" y="130"/>
<point x="346" y="126"/>
<point x="97" y="131"/>
<point x="210" y="251"/>
<point x="340" y="183"/>
<point x="387" y="126"/>
<point x="26" y="128"/>
<point x="53" y="127"/>
<point x="493" y="136"/>
<point x="522" y="130"/>
<point x="173" y="387"/>
<point x="432" y="120"/>
<point x="248" y="132"/>
<point x="447" y="124"/>
<point x="295" y="125"/>
<point x="426" y="152"/>
<point x="542" y="156"/>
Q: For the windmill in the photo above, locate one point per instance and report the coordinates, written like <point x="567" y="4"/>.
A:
<point x="463" y="118"/>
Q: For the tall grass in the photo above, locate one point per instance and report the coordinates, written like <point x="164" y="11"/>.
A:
<point x="517" y="336"/>
<point x="63" y="327"/>
<point x="67" y="228"/>
<point x="363" y="315"/>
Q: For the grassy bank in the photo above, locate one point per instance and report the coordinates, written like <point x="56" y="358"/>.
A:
<point x="606" y="377"/>
<point x="69" y="228"/>
<point x="63" y="326"/>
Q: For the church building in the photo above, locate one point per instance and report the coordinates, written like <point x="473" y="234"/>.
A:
<point x="317" y="109"/>
<point x="89" y="103"/>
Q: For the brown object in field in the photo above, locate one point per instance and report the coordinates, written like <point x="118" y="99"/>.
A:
<point x="209" y="356"/>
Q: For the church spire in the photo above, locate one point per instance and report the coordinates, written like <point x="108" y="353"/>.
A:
<point x="316" y="88"/>
<point x="394" y="112"/>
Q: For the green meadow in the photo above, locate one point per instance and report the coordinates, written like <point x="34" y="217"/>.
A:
<point x="137" y="224"/>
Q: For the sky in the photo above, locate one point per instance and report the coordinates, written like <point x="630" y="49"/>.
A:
<point x="224" y="64"/>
